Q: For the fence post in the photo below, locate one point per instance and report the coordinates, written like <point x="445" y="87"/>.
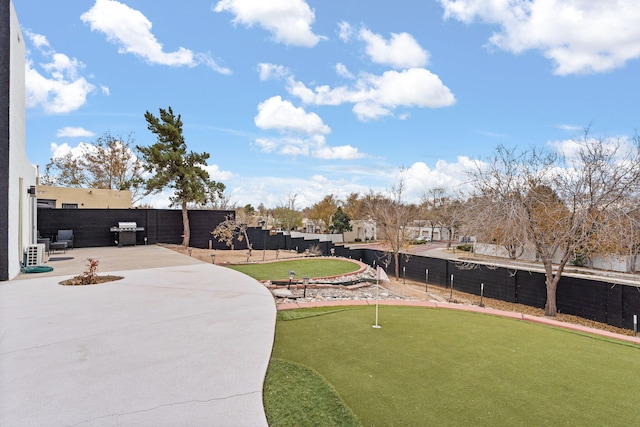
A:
<point x="426" y="280"/>
<point x="451" y="294"/>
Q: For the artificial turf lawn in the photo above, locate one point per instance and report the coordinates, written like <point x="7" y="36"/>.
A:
<point x="322" y="267"/>
<point x="295" y="396"/>
<point x="442" y="367"/>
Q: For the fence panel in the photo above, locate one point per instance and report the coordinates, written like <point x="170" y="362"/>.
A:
<point x="530" y="288"/>
<point x="630" y="305"/>
<point x="581" y="297"/>
<point x="613" y="305"/>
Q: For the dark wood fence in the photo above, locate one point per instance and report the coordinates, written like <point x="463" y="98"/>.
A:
<point x="91" y="226"/>
<point x="596" y="299"/>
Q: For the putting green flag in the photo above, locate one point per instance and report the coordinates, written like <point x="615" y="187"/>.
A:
<point x="381" y="275"/>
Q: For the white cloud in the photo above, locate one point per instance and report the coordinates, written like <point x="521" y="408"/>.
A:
<point x="570" y="148"/>
<point x="343" y="71"/>
<point x="276" y="113"/>
<point x="419" y="177"/>
<point x="571" y="128"/>
<point x="314" y="146"/>
<point x="38" y="40"/>
<point x="267" y="145"/>
<point x="74" y="132"/>
<point x="345" y="31"/>
<point x="289" y="21"/>
<point x="273" y="191"/>
<point x="58" y="87"/>
<point x="216" y="174"/>
<point x="288" y="146"/>
<point x="579" y="36"/>
<point x="400" y="51"/>
<point x="344" y="152"/>
<point x="282" y="116"/>
<point x="269" y="71"/>
<point x="131" y="30"/>
<point x="376" y="96"/>
<point x="58" y="151"/>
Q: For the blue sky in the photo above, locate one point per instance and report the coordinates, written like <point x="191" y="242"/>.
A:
<point x="314" y="97"/>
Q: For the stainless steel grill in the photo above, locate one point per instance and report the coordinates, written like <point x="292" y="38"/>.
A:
<point x="126" y="232"/>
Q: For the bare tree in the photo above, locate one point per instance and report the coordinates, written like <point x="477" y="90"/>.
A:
<point x="559" y="205"/>
<point x="286" y="214"/>
<point x="505" y="229"/>
<point x="224" y="203"/>
<point x="393" y="217"/>
<point x="448" y="213"/>
<point x="233" y="228"/>
<point x="109" y="163"/>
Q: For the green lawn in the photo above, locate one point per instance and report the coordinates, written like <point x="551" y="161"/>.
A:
<point x="310" y="267"/>
<point x="298" y="396"/>
<point x="442" y="367"/>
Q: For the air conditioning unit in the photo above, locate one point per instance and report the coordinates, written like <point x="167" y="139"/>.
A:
<point x="34" y="255"/>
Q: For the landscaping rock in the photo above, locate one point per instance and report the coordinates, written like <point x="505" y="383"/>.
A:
<point x="282" y="293"/>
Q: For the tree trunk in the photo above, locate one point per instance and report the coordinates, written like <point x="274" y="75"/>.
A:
<point x="550" y="308"/>
<point x="186" y="234"/>
<point x="246" y="237"/>
<point x="397" y="266"/>
<point x="551" y="284"/>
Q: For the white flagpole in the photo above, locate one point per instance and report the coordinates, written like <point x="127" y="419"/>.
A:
<point x="377" y="326"/>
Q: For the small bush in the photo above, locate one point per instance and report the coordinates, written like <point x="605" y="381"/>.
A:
<point x="88" y="277"/>
<point x="357" y="239"/>
<point x="466" y="247"/>
<point x="314" y="250"/>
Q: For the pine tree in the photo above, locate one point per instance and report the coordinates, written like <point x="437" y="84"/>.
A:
<point x="340" y="221"/>
<point x="172" y="166"/>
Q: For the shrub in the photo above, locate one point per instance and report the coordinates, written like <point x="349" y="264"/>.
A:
<point x="88" y="277"/>
<point x="315" y="250"/>
<point x="466" y="247"/>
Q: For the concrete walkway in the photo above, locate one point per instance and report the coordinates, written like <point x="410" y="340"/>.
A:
<point x="177" y="342"/>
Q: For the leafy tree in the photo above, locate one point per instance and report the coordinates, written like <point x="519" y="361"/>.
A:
<point x="340" y="221"/>
<point x="354" y="207"/>
<point x="109" y="163"/>
<point x="249" y="210"/>
<point x="323" y="211"/>
<point x="174" y="167"/>
<point x="561" y="206"/>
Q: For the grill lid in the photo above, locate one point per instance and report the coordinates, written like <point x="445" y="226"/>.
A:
<point x="127" y="225"/>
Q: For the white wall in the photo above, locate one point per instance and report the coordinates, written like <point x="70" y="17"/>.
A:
<point x="335" y="238"/>
<point x="22" y="174"/>
<point x="621" y="263"/>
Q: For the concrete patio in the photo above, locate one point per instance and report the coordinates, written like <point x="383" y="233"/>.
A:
<point x="176" y="342"/>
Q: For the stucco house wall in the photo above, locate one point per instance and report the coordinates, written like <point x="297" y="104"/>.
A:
<point x="18" y="205"/>
<point x="83" y="198"/>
